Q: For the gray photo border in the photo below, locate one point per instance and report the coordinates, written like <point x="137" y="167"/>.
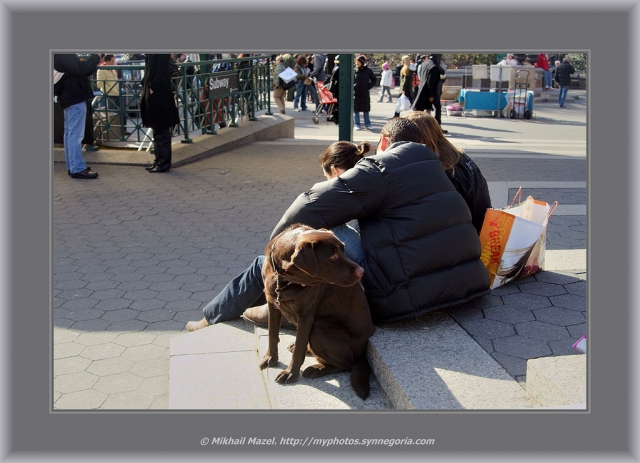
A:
<point x="30" y="32"/>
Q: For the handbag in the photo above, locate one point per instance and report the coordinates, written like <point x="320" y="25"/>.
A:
<point x="403" y="104"/>
<point x="286" y="85"/>
<point x="513" y="239"/>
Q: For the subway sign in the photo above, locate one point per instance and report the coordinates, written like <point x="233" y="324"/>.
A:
<point x="222" y="83"/>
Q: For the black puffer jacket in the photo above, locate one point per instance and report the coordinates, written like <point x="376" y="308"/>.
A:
<point x="471" y="184"/>
<point x="423" y="252"/>
<point x="76" y="87"/>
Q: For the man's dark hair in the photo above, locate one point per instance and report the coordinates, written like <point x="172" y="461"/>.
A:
<point x="398" y="129"/>
<point x="108" y="57"/>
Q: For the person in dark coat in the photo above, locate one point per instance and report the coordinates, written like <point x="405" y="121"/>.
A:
<point x="363" y="81"/>
<point x="563" y="77"/>
<point x="428" y="93"/>
<point x="334" y="87"/>
<point x="460" y="168"/>
<point x="72" y="90"/>
<point x="158" y="108"/>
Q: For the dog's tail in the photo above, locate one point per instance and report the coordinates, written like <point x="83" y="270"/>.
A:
<point x="360" y="377"/>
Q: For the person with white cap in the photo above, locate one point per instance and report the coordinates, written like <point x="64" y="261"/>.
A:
<point x="386" y="81"/>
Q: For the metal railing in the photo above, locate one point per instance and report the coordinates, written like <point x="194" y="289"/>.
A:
<point x="208" y="94"/>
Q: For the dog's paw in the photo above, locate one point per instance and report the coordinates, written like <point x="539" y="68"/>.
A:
<point x="268" y="361"/>
<point x="314" y="371"/>
<point x="286" y="377"/>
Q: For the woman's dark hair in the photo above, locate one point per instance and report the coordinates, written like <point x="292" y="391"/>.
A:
<point x="435" y="140"/>
<point x="343" y="155"/>
<point x="108" y="57"/>
<point x="301" y="60"/>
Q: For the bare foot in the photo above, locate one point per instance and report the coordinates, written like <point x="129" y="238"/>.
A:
<point x="193" y="326"/>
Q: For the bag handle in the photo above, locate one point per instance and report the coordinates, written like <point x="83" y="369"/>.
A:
<point x="552" y="209"/>
<point x="518" y="194"/>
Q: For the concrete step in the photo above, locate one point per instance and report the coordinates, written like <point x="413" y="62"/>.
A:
<point x="432" y="365"/>
<point x="558" y="382"/>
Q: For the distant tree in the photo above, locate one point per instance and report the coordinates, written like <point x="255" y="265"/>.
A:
<point x="579" y="61"/>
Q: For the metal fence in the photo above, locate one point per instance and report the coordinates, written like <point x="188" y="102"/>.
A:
<point x="209" y="95"/>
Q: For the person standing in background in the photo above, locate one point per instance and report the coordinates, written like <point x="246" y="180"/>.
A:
<point x="73" y="90"/>
<point x="563" y="77"/>
<point x="158" y="108"/>
<point x="385" y="82"/>
<point x="363" y="81"/>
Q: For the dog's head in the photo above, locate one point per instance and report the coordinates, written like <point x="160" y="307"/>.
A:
<point x="318" y="257"/>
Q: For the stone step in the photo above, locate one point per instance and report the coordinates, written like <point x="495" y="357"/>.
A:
<point x="558" y="382"/>
<point x="433" y="364"/>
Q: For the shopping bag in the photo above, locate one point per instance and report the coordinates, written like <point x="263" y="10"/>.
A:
<point x="403" y="104"/>
<point x="513" y="239"/>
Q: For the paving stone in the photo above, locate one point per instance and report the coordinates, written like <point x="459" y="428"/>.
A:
<point x="174" y="295"/>
<point x="158" y="278"/>
<point x="146" y="352"/>
<point x="187" y="316"/>
<point x="133" y="400"/>
<point x="168" y="285"/>
<point x="128" y="325"/>
<point x="189" y="278"/>
<point x="180" y="306"/>
<point x="148" y="304"/>
<point x="167" y="325"/>
<point x="570" y="301"/>
<point x="120" y="315"/>
<point x="129" y="276"/>
<point x="526" y="301"/>
<point x="559" y="316"/>
<point x="135" y="339"/>
<point x="60" y="313"/>
<point x="107" y="275"/>
<point x="80" y="304"/>
<point x="68" y="365"/>
<point x="92" y="339"/>
<point x="112" y="305"/>
<point x="510" y="288"/>
<point x="110" y="366"/>
<point x="102" y="351"/>
<point x="579" y="288"/>
<point x="115" y="384"/>
<point x="74" y="382"/>
<point x="156" y="386"/>
<point x="86" y="314"/>
<point x="489" y="329"/>
<point x="563" y="347"/>
<point x="71" y="285"/>
<point x="89" y="399"/>
<point x="63" y="323"/>
<point x="542" y="289"/>
<point x="521" y="347"/>
<point x="486" y="344"/>
<point x="555" y="277"/>
<point x="91" y="325"/>
<point x="543" y="331"/>
<point x="577" y="331"/>
<point x="102" y="285"/>
<point x="67" y="349"/>
<point x="513" y="365"/>
<point x="509" y="314"/>
<point x="150" y="368"/>
<point x="107" y="294"/>
<point x="160" y="403"/>
<point x="61" y="335"/>
<point x="164" y="339"/>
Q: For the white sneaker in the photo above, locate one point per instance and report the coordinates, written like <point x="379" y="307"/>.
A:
<point x="357" y="128"/>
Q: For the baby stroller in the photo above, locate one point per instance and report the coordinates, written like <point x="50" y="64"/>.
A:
<point x="326" y="98"/>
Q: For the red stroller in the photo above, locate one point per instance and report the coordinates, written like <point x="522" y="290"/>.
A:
<point x="326" y="98"/>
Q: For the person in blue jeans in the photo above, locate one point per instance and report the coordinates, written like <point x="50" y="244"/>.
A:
<point x="73" y="90"/>
<point x="301" y="87"/>
<point x="246" y="291"/>
<point x="563" y="77"/>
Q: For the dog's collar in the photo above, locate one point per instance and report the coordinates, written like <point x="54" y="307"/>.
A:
<point x="275" y="269"/>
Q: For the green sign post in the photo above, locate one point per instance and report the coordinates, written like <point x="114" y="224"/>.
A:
<point x="345" y="97"/>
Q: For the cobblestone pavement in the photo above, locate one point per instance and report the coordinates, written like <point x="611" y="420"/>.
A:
<point x="136" y="256"/>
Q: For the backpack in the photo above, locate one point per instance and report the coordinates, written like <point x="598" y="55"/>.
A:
<point x="415" y="80"/>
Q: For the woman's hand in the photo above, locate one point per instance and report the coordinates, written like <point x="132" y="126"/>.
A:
<point x="150" y="92"/>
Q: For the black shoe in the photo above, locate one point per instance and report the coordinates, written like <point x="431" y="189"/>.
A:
<point x="69" y="172"/>
<point x="87" y="173"/>
<point x="152" y="166"/>
<point x="157" y="170"/>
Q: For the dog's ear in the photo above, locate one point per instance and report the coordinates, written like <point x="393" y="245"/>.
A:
<point x="304" y="258"/>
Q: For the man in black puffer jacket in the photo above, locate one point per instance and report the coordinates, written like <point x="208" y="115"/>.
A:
<point x="423" y="252"/>
<point x="73" y="89"/>
<point x="563" y="77"/>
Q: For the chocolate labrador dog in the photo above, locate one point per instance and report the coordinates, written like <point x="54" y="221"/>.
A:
<point x="310" y="281"/>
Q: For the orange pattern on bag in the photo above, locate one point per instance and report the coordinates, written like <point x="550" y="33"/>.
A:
<point x="493" y="239"/>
